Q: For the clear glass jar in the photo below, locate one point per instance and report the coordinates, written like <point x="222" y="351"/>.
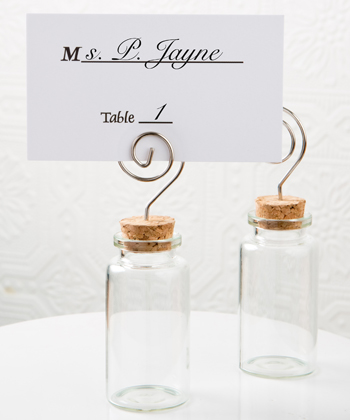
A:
<point x="278" y="298"/>
<point x="148" y="308"/>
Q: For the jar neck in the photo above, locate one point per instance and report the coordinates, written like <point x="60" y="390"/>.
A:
<point x="146" y="259"/>
<point x="279" y="236"/>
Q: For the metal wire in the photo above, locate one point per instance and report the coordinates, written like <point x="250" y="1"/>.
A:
<point x="292" y="148"/>
<point x="148" y="162"/>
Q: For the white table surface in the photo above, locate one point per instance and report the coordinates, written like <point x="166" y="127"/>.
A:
<point x="54" y="368"/>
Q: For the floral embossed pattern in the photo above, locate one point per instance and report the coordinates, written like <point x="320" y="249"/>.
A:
<point x="16" y="198"/>
<point x="318" y="40"/>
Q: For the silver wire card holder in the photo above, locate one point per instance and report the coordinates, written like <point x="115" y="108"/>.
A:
<point x="292" y="148"/>
<point x="148" y="163"/>
<point x="172" y="158"/>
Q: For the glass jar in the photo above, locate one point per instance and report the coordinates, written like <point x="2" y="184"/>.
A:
<point x="148" y="308"/>
<point x="278" y="298"/>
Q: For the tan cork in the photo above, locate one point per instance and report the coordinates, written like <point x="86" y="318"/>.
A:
<point x="155" y="229"/>
<point x="270" y="207"/>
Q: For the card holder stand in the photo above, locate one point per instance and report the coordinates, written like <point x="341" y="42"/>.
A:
<point x="171" y="159"/>
<point x="148" y="163"/>
<point x="292" y="148"/>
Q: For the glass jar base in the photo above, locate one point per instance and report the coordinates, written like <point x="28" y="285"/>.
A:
<point x="148" y="398"/>
<point x="276" y="367"/>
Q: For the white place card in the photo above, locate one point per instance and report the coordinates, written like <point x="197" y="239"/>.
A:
<point x="211" y="84"/>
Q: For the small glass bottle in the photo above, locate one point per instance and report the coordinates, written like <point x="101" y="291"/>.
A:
<point x="278" y="298"/>
<point x="148" y="308"/>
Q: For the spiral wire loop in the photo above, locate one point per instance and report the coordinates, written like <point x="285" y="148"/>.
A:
<point x="292" y="148"/>
<point x="148" y="163"/>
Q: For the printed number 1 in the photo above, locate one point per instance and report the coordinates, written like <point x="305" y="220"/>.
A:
<point x="161" y="110"/>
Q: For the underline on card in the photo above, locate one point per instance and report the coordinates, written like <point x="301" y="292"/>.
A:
<point x="115" y="60"/>
<point x="155" y="122"/>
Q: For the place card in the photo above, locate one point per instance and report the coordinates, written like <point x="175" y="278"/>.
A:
<point x="211" y="84"/>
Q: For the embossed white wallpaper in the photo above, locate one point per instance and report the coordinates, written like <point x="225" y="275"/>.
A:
<point x="57" y="219"/>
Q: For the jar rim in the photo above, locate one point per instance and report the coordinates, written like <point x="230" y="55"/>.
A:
<point x="157" y="245"/>
<point x="277" y="224"/>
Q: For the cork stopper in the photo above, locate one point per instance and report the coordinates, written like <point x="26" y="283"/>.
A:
<point x="156" y="228"/>
<point x="270" y="207"/>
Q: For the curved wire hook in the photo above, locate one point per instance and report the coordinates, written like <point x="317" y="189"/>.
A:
<point x="291" y="151"/>
<point x="149" y="159"/>
<point x="148" y="162"/>
<point x="178" y="173"/>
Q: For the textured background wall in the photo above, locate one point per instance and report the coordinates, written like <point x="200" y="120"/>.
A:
<point x="57" y="219"/>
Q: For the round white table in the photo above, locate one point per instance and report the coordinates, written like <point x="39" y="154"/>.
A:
<point x="54" y="368"/>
